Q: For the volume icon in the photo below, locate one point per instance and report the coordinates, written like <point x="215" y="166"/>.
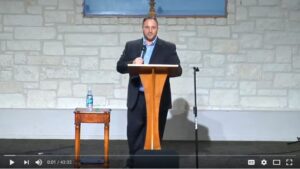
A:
<point x="39" y="162"/>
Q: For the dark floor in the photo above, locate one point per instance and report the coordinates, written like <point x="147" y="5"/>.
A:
<point x="216" y="154"/>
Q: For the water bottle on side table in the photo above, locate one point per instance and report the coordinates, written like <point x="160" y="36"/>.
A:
<point x="89" y="100"/>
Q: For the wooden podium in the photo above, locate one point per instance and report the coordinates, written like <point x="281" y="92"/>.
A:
<point x="153" y="77"/>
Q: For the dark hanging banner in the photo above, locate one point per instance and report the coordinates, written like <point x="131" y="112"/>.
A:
<point x="166" y="8"/>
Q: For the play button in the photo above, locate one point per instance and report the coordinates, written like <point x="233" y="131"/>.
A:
<point x="11" y="162"/>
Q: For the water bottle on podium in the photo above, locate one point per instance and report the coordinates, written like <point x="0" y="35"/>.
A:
<point x="89" y="100"/>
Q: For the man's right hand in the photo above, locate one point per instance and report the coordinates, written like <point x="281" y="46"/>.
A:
<point x="138" y="60"/>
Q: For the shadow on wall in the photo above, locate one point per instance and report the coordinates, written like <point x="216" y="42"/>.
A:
<point x="179" y="127"/>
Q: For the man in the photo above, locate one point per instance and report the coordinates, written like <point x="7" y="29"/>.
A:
<point x="147" y="50"/>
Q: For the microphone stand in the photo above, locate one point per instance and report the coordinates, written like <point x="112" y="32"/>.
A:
<point x="196" y="69"/>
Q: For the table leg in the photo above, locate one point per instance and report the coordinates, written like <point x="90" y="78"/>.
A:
<point x="77" y="144"/>
<point x="106" y="144"/>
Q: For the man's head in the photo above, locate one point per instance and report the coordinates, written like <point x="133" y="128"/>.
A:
<point x="150" y="28"/>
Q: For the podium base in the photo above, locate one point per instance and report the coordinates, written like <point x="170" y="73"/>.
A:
<point x="156" y="159"/>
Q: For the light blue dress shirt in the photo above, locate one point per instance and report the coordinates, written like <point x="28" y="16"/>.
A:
<point x="148" y="54"/>
<point x="149" y="50"/>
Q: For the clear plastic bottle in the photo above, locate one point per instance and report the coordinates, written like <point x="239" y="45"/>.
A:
<point x="89" y="100"/>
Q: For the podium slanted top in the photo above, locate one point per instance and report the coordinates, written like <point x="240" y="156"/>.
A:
<point x="171" y="70"/>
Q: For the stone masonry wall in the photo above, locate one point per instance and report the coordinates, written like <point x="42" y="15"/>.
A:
<point x="50" y="54"/>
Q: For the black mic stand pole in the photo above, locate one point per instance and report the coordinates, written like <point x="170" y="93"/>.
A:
<point x="196" y="69"/>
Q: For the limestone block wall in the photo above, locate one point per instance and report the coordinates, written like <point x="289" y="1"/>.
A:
<point x="50" y="54"/>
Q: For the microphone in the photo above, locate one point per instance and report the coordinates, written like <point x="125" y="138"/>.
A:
<point x="196" y="69"/>
<point x="143" y="52"/>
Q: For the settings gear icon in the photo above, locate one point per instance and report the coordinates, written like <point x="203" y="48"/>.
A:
<point x="264" y="162"/>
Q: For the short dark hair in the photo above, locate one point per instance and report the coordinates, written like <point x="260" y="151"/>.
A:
<point x="150" y="17"/>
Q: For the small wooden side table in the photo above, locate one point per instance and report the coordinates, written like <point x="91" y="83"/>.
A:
<point x="95" y="116"/>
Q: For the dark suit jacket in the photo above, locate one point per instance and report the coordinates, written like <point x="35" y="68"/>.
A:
<point x="163" y="53"/>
